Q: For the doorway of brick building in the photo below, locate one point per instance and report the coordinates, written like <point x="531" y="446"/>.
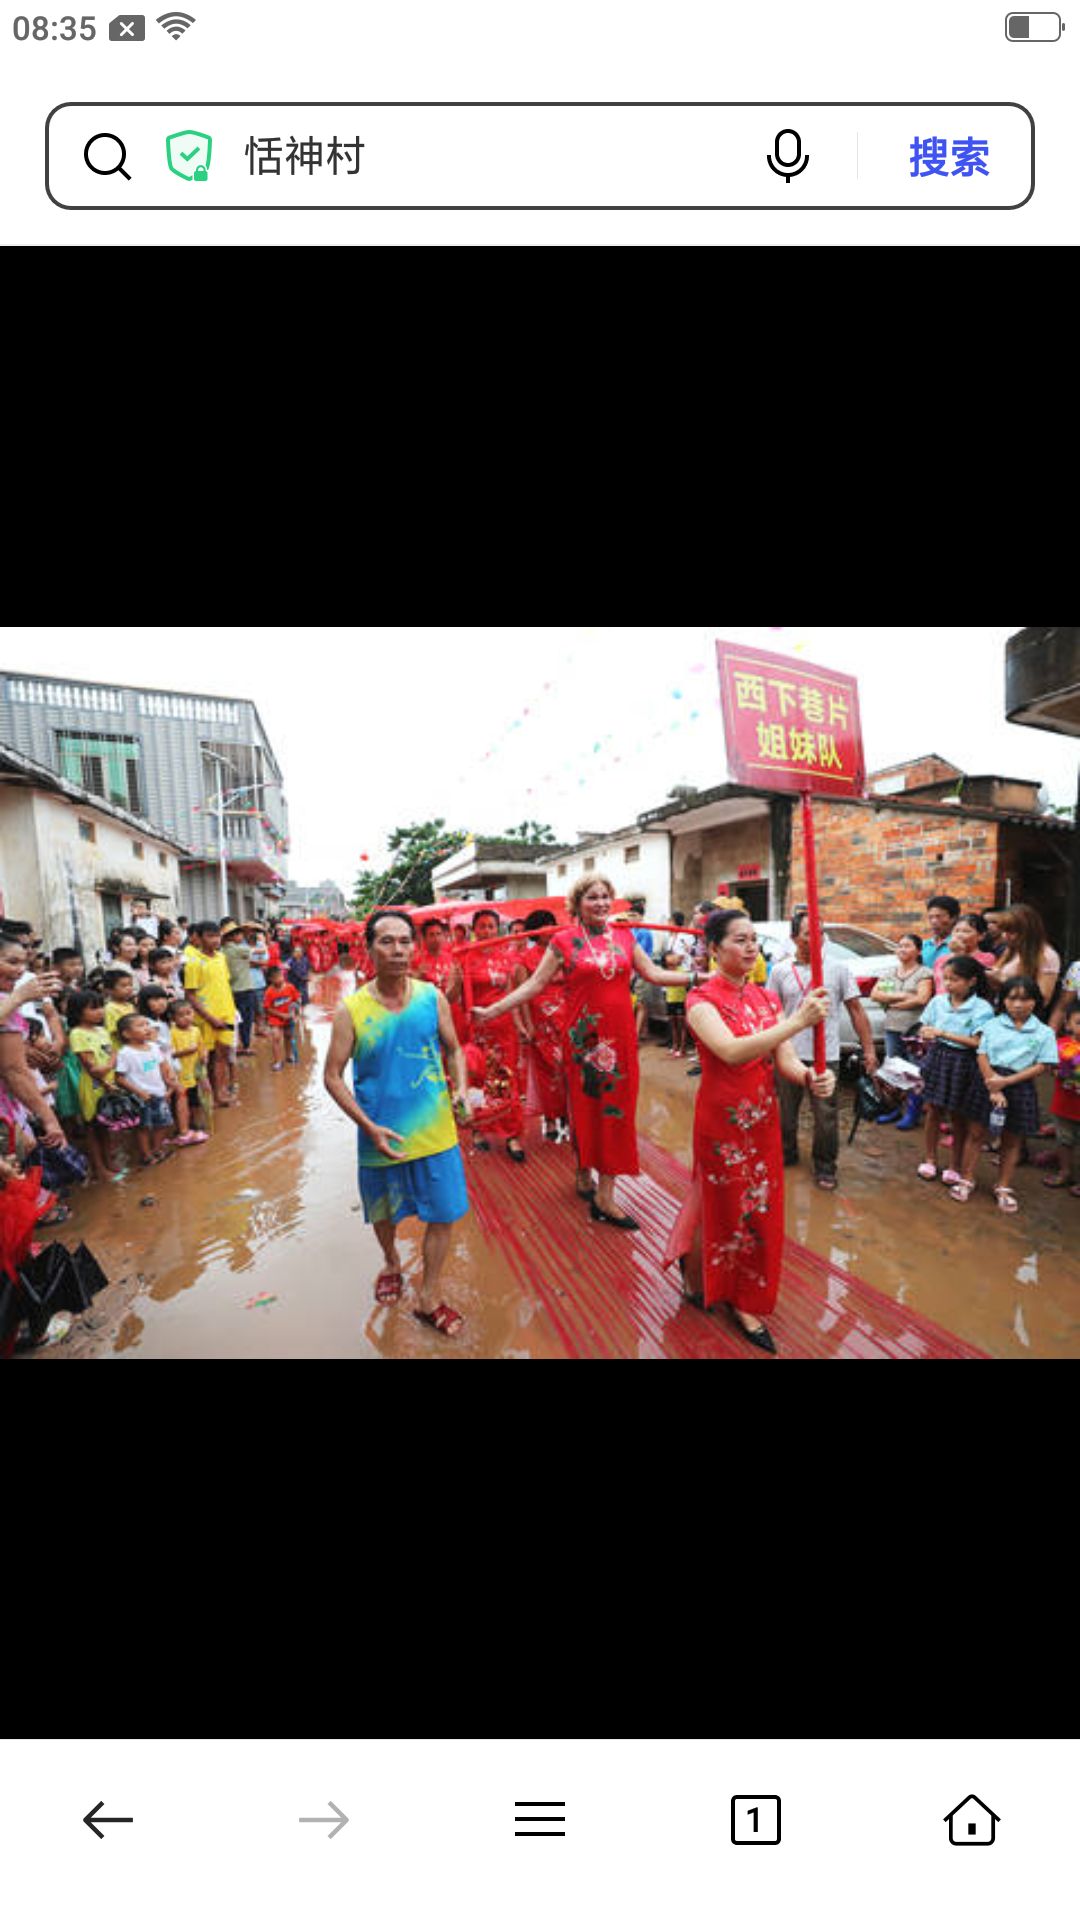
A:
<point x="1044" y="885"/>
<point x="754" y="896"/>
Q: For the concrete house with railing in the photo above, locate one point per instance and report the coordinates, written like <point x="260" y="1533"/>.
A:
<point x="168" y="758"/>
<point x="73" y="864"/>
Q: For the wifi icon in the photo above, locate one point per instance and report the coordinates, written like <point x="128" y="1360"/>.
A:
<point x="176" y="23"/>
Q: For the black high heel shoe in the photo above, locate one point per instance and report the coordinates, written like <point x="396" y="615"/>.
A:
<point x="609" y="1220"/>
<point x="762" y="1340"/>
<point x="691" y="1299"/>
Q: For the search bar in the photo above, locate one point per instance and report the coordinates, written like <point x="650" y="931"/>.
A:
<point x="293" y="155"/>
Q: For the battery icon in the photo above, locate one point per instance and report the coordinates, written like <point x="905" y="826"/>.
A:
<point x="1033" y="26"/>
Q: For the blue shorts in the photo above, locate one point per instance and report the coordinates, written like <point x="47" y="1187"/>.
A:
<point x="156" y="1112"/>
<point x="431" y="1189"/>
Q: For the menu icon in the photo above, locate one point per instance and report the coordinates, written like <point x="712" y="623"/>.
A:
<point x="539" y="1820"/>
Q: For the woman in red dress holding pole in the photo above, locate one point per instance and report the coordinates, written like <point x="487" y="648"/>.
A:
<point x="487" y="977"/>
<point x="596" y="963"/>
<point x="434" y="961"/>
<point x="544" y="1025"/>
<point x="729" y="1237"/>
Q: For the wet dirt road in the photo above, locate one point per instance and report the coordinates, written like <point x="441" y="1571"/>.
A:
<point x="255" y="1245"/>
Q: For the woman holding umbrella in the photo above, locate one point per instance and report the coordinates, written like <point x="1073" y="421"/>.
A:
<point x="596" y="961"/>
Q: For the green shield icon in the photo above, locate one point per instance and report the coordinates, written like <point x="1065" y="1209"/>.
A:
<point x="187" y="152"/>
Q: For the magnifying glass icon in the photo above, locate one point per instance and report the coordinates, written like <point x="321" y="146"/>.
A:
<point x="104" y="171"/>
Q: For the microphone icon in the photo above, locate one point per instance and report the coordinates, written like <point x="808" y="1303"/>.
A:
<point x="798" y="161"/>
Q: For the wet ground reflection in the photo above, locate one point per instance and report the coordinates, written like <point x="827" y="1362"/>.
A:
<point x="255" y="1246"/>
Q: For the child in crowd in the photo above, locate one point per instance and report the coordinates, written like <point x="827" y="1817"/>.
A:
<point x="675" y="996"/>
<point x="92" y="1048"/>
<point x="188" y="1050"/>
<point x="967" y="937"/>
<point x="153" y="1002"/>
<point x="67" y="962"/>
<point x="1065" y="1106"/>
<point x="145" y="948"/>
<point x="282" y="1003"/>
<point x="163" y="972"/>
<point x="120" y="989"/>
<point x="954" y="1022"/>
<point x="142" y="1069"/>
<point x="1016" y="1048"/>
<point x="298" y="970"/>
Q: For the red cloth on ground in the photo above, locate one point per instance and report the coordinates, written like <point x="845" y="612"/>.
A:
<point x="490" y="979"/>
<point x="600" y="1048"/>
<point x="737" y="1196"/>
<point x="544" y="1053"/>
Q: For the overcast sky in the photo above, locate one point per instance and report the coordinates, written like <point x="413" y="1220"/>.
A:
<point x="582" y="727"/>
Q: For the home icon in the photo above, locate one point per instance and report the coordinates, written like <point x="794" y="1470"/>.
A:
<point x="972" y="1824"/>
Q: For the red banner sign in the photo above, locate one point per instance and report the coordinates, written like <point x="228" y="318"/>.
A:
<point x="794" y="728"/>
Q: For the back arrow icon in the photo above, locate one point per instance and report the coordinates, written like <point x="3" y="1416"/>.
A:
<point x="323" y="1819"/>
<point x="107" y="1819"/>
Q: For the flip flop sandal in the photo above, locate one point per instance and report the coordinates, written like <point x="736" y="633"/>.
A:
<point x="1062" y="1180"/>
<point x="962" y="1191"/>
<point x="1006" y="1200"/>
<point x="389" y="1287"/>
<point x="1075" y="1191"/>
<point x="927" y="1171"/>
<point x="444" y="1320"/>
<point x="952" y="1179"/>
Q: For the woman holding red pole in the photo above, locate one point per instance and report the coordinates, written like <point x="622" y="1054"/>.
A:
<point x="729" y="1237"/>
<point x="487" y="975"/>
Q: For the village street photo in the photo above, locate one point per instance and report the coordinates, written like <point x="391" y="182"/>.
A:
<point x="702" y="994"/>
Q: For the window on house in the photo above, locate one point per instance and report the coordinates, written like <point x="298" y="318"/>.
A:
<point x="590" y="863"/>
<point x="86" y="830"/>
<point x="103" y="763"/>
<point x="163" y="860"/>
<point x="562" y="871"/>
<point x="241" y="774"/>
<point x="632" y="854"/>
<point x="137" y="849"/>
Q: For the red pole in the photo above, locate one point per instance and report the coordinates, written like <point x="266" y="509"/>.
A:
<point x="816" y="967"/>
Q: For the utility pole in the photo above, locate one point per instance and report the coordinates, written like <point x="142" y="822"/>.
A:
<point x="221" y="848"/>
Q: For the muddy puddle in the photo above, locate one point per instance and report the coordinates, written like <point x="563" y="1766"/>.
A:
<point x="255" y="1247"/>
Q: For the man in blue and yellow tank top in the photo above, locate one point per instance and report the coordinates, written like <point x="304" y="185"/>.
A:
<point x="395" y="1031"/>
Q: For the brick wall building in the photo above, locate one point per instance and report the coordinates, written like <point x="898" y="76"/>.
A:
<point x="880" y="860"/>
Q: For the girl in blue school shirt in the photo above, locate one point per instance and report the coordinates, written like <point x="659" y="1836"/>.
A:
<point x="954" y="1021"/>
<point x="1015" y="1049"/>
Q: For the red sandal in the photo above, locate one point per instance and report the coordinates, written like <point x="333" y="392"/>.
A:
<point x="389" y="1287"/>
<point x="444" y="1320"/>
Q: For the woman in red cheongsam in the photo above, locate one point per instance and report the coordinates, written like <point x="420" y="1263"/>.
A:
<point x="488" y="975"/>
<point x="544" y="1024"/>
<point x="434" y="960"/>
<point x="595" y="963"/>
<point x="729" y="1237"/>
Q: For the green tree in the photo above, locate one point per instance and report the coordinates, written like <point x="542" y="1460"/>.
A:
<point x="531" y="833"/>
<point x="416" y="852"/>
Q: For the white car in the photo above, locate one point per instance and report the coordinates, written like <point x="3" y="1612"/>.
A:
<point x="866" y="953"/>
